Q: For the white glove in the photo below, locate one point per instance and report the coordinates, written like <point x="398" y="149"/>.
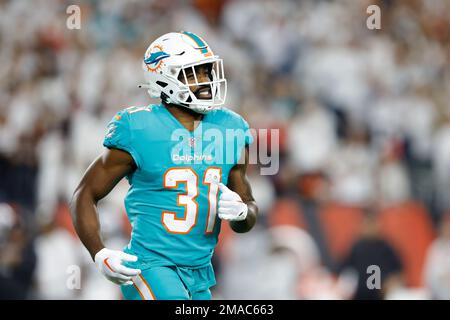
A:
<point x="109" y="262"/>
<point x="231" y="206"/>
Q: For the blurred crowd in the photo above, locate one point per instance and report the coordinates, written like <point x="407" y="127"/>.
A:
<point x="364" y="120"/>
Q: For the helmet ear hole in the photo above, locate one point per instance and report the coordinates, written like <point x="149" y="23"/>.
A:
<point x="161" y="84"/>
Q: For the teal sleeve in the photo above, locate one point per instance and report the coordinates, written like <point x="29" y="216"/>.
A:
<point x="119" y="135"/>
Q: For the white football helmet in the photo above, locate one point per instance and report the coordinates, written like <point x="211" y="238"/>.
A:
<point x="167" y="61"/>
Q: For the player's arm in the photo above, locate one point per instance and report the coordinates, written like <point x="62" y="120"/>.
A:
<point x="236" y="203"/>
<point x="99" y="179"/>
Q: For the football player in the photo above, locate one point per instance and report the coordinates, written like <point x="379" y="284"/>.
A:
<point x="178" y="196"/>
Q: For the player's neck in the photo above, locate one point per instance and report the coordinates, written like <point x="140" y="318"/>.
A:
<point x="185" y="116"/>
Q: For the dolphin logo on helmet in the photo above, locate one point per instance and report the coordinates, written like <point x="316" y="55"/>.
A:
<point x="156" y="57"/>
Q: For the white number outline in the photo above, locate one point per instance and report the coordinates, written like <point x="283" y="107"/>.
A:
<point x="191" y="195"/>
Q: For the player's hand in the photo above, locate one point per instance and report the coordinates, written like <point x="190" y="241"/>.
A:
<point x="231" y="206"/>
<point x="109" y="262"/>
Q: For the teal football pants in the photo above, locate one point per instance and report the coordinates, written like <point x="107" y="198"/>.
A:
<point x="171" y="283"/>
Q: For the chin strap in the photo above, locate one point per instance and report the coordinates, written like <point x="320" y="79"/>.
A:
<point x="150" y="89"/>
<point x="199" y="109"/>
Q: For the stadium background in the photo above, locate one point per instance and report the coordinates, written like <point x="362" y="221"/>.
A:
<point x="364" y="121"/>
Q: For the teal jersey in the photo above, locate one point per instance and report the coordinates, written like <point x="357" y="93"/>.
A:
<point x="173" y="194"/>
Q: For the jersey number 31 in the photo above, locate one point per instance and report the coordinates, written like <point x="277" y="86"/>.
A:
<point x="172" y="178"/>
